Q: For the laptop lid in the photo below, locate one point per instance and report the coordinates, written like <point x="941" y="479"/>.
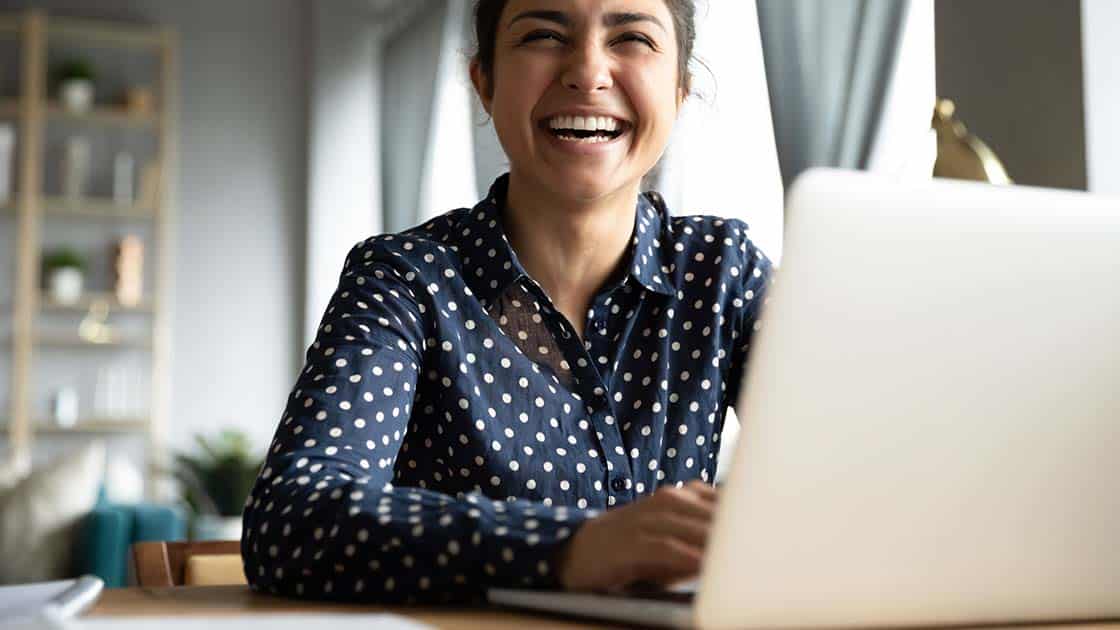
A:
<point x="931" y="415"/>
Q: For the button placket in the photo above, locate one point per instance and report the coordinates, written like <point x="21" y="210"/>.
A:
<point x="588" y="383"/>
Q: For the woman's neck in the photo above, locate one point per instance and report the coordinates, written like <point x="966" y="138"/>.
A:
<point x="569" y="248"/>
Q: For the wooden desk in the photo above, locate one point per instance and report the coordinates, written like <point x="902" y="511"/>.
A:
<point x="182" y="601"/>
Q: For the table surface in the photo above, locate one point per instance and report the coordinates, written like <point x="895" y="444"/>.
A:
<point x="183" y="601"/>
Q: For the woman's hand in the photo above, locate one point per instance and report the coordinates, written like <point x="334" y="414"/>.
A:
<point x="659" y="539"/>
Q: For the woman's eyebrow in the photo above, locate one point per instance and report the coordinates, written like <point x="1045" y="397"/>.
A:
<point x="610" y="20"/>
<point x="558" y="17"/>
<point x="620" y="19"/>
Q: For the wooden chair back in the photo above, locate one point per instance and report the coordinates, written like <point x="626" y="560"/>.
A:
<point x="163" y="564"/>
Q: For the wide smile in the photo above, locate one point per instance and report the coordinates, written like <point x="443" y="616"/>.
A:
<point x="585" y="132"/>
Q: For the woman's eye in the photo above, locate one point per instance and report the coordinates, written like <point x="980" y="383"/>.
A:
<point x="636" y="37"/>
<point x="542" y="36"/>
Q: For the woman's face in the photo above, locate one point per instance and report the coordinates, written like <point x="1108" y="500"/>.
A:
<point x="584" y="93"/>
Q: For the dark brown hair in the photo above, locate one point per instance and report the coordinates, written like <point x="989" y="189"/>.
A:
<point x="487" y="14"/>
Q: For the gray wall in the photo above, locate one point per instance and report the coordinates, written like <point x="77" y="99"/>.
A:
<point x="1014" y="69"/>
<point x="239" y="245"/>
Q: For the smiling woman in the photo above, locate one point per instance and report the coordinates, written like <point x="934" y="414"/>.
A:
<point x="529" y="392"/>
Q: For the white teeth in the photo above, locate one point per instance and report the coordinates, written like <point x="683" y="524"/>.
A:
<point x="584" y="123"/>
<point x="591" y="140"/>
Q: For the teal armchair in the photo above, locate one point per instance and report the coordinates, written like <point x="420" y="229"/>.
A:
<point x="109" y="530"/>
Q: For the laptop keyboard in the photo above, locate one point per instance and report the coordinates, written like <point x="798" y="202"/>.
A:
<point x="683" y="594"/>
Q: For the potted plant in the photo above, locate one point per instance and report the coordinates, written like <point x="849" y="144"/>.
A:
<point x="216" y="482"/>
<point x="74" y="78"/>
<point x="64" y="269"/>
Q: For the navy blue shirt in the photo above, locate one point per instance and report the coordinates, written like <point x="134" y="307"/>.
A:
<point x="451" y="431"/>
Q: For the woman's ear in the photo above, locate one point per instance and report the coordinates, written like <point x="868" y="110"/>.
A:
<point x="481" y="85"/>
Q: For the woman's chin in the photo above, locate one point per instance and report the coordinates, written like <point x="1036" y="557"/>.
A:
<point x="584" y="184"/>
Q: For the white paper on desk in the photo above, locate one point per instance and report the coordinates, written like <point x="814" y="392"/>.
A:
<point x="271" y="621"/>
<point x="28" y="603"/>
<point x="24" y="599"/>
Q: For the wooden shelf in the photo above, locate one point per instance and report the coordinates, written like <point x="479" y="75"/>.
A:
<point x="102" y="115"/>
<point x="89" y="297"/>
<point x="93" y="207"/>
<point x="95" y="425"/>
<point x="106" y="34"/>
<point x="72" y="340"/>
<point x="87" y="207"/>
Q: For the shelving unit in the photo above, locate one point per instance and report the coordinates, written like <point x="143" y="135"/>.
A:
<point x="104" y="116"/>
<point x="89" y="298"/>
<point x="65" y="340"/>
<point x="95" y="208"/>
<point x="32" y="113"/>
<point x="90" y="207"/>
<point x="94" y="425"/>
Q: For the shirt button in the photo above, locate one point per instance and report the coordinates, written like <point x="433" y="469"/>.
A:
<point x="618" y="484"/>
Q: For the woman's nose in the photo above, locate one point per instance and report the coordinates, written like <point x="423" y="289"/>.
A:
<point x="588" y="70"/>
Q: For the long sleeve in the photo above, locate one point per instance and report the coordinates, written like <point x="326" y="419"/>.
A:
<point x="754" y="274"/>
<point x="324" y="519"/>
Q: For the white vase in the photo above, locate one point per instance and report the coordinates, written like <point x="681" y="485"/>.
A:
<point x="210" y="527"/>
<point x="76" y="95"/>
<point x="65" y="285"/>
<point x="7" y="151"/>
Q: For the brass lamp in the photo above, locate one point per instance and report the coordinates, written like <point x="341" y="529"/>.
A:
<point x="961" y="155"/>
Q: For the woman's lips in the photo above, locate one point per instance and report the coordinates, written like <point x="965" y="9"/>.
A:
<point x="592" y="145"/>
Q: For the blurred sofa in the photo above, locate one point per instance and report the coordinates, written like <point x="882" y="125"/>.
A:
<point x="107" y="532"/>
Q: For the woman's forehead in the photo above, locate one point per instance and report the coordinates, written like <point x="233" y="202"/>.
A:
<point x="580" y="10"/>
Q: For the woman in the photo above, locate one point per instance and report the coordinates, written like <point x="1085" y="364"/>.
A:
<point x="529" y="392"/>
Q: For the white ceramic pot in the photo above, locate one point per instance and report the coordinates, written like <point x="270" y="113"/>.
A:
<point x="210" y="527"/>
<point x="7" y="153"/>
<point x="65" y="285"/>
<point x="76" y="94"/>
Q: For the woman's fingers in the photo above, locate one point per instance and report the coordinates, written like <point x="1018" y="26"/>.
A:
<point x="702" y="491"/>
<point x="687" y="501"/>
<point x="688" y="529"/>
<point x="670" y="559"/>
<point x="659" y="539"/>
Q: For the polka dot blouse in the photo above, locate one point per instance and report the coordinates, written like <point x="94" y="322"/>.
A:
<point x="451" y="431"/>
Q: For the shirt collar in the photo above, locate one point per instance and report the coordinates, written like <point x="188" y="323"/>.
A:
<point x="491" y="264"/>
<point x="645" y="252"/>
<point x="488" y="259"/>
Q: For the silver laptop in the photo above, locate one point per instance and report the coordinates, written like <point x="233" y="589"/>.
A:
<point x="931" y="419"/>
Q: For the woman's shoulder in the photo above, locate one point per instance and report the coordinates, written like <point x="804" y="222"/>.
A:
<point x="417" y="250"/>
<point x="710" y="238"/>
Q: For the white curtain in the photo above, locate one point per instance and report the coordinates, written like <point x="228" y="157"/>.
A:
<point x="390" y="130"/>
<point x="1101" y="57"/>
<point x="721" y="159"/>
<point x="448" y="174"/>
<point x="905" y="146"/>
<point x="851" y="83"/>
